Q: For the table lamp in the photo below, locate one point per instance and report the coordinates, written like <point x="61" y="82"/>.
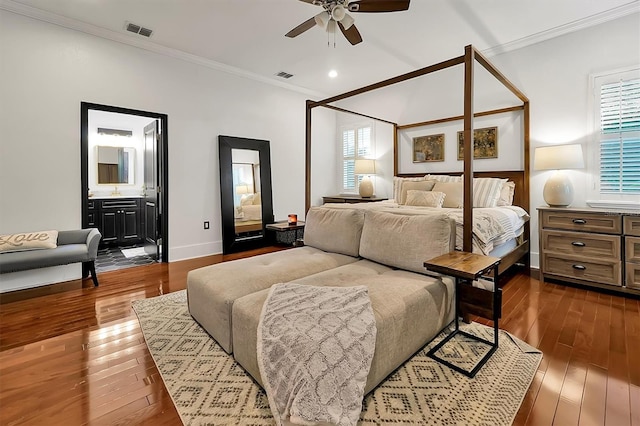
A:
<point x="365" y="167"/>
<point x="558" y="191"/>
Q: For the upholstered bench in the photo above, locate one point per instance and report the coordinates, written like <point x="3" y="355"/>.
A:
<point x="409" y="308"/>
<point x="69" y="247"/>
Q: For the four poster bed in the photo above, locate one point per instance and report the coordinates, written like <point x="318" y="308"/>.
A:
<point x="519" y="253"/>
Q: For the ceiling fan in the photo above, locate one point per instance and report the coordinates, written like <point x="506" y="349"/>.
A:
<point x="335" y="14"/>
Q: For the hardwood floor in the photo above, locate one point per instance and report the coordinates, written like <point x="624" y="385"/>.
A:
<point x="78" y="356"/>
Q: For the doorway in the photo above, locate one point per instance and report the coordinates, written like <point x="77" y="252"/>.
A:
<point x="124" y="168"/>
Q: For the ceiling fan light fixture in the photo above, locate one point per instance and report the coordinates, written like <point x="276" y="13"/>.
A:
<point x="338" y="12"/>
<point x="347" y="21"/>
<point x="322" y="19"/>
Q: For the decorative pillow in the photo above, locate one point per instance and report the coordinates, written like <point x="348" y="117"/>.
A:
<point x="29" y="241"/>
<point x="454" y="193"/>
<point x="425" y="185"/>
<point x="397" y="186"/>
<point x="257" y="198"/>
<point x="425" y="198"/>
<point x="246" y="200"/>
<point x="486" y="191"/>
<point x="506" y="194"/>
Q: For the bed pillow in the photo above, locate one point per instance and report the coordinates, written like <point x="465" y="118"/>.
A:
<point x="397" y="186"/>
<point x="398" y="240"/>
<point x="28" y="241"/>
<point x="424" y="185"/>
<point x="257" y="198"/>
<point x="334" y="230"/>
<point x="246" y="200"/>
<point x="486" y="191"/>
<point x="425" y="198"/>
<point x="444" y="178"/>
<point x="453" y="193"/>
<point x="506" y="194"/>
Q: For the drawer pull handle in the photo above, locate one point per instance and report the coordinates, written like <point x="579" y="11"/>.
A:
<point x="578" y="244"/>
<point x="579" y="267"/>
<point x="579" y="221"/>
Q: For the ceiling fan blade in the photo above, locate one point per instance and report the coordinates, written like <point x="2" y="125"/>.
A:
<point x="308" y="1"/>
<point x="306" y="25"/>
<point x="352" y="34"/>
<point x="378" y="5"/>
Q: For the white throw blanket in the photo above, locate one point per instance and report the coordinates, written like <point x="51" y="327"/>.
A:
<point x="315" y="346"/>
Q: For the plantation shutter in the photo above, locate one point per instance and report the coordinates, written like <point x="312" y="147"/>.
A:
<point x="620" y="137"/>
<point x="348" y="159"/>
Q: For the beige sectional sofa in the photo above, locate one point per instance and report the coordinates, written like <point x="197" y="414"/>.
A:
<point x="381" y="250"/>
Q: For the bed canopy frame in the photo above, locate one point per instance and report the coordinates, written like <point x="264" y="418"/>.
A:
<point x="520" y="177"/>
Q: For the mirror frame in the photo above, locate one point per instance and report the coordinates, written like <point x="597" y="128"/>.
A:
<point x="225" y="145"/>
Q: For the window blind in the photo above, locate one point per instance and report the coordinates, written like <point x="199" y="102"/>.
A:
<point x="620" y="137"/>
<point x="356" y="143"/>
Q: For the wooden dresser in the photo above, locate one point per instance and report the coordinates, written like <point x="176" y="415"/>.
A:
<point x="591" y="246"/>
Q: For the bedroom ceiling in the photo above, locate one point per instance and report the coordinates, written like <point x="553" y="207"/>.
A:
<point x="247" y="36"/>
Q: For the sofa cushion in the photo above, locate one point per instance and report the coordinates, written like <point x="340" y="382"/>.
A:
<point x="212" y="290"/>
<point x="406" y="241"/>
<point x="28" y="241"/>
<point x="334" y="230"/>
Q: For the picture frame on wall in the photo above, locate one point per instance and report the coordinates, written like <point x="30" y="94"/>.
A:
<point x="428" y="148"/>
<point x="485" y="143"/>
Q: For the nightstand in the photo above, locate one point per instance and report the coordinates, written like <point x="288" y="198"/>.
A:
<point x="288" y="233"/>
<point x="465" y="268"/>
<point x="351" y="199"/>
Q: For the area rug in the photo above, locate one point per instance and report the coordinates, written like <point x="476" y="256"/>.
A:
<point x="209" y="388"/>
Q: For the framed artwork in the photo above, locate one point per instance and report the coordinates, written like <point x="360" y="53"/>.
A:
<point x="485" y="143"/>
<point x="428" y="148"/>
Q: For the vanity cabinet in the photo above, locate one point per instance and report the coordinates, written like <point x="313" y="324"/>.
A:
<point x="119" y="220"/>
<point x="591" y="246"/>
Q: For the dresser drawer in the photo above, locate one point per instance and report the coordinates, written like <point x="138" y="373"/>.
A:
<point x="633" y="276"/>
<point x="632" y="225"/>
<point x="595" y="270"/>
<point x="579" y="221"/>
<point x="632" y="249"/>
<point x="582" y="244"/>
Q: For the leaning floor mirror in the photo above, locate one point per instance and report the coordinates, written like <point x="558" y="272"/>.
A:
<point x="245" y="192"/>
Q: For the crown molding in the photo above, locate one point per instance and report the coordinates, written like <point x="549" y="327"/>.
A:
<point x="600" y="18"/>
<point x="73" y="24"/>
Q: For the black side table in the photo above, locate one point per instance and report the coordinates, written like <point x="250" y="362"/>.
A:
<point x="465" y="268"/>
<point x="287" y="233"/>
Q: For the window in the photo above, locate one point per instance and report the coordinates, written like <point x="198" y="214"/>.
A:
<point x="357" y="142"/>
<point x="618" y="134"/>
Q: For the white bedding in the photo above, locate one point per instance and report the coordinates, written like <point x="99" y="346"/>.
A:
<point x="492" y="226"/>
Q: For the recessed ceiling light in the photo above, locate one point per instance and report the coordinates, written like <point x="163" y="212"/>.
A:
<point x="333" y="74"/>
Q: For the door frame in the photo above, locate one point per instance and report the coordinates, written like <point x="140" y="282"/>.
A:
<point x="164" y="165"/>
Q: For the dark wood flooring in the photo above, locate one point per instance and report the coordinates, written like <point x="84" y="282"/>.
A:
<point x="78" y="356"/>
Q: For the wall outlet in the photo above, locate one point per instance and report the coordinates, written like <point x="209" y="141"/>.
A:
<point x="206" y="224"/>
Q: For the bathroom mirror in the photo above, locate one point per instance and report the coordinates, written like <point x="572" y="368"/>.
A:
<point x="245" y="192"/>
<point x="115" y="165"/>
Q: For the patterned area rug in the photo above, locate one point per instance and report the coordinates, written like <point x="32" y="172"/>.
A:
<point x="209" y="388"/>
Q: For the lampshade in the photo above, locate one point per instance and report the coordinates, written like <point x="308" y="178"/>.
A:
<point x="242" y="189"/>
<point x="558" y="190"/>
<point x="558" y="157"/>
<point x="365" y="167"/>
<point x="322" y="19"/>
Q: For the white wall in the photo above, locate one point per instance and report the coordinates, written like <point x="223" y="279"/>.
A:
<point x="48" y="70"/>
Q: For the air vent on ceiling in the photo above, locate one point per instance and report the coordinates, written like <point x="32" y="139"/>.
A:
<point x="114" y="132"/>
<point x="146" y="32"/>
<point x="284" y="74"/>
